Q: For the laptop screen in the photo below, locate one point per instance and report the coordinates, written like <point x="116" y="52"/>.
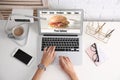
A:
<point x="61" y="21"/>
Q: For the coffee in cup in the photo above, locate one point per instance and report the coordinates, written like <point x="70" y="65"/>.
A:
<point x="17" y="33"/>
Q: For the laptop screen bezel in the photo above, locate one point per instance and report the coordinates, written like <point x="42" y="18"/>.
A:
<point x="82" y="15"/>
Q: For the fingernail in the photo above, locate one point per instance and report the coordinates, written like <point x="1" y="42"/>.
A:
<point x="60" y="56"/>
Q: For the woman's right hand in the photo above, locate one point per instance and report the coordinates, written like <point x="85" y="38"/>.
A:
<point x="67" y="66"/>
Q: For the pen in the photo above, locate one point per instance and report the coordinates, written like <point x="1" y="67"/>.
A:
<point x="108" y="34"/>
<point x="99" y="28"/>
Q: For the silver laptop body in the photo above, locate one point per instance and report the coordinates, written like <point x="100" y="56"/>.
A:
<point x="73" y="33"/>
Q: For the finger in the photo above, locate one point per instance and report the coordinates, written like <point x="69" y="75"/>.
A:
<point x="49" y="48"/>
<point x="54" y="47"/>
<point x="45" y="49"/>
<point x="65" y="59"/>
<point x="61" y="62"/>
<point x="52" y="50"/>
<point x="68" y="59"/>
<point x="54" y="54"/>
<point x="61" y="59"/>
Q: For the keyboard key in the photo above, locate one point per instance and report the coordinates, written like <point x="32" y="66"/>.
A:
<point x="62" y="44"/>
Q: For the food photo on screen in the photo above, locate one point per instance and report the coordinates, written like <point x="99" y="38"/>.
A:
<point x="57" y="23"/>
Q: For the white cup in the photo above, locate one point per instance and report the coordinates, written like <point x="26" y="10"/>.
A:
<point x="17" y="33"/>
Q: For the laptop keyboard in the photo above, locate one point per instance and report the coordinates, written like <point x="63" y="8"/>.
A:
<point x="62" y="44"/>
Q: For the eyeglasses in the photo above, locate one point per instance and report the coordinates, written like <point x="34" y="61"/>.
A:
<point x="95" y="56"/>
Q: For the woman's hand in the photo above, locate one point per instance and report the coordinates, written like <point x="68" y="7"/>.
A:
<point x="67" y="66"/>
<point x="48" y="55"/>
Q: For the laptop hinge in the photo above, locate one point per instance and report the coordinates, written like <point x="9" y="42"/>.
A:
<point x="59" y="35"/>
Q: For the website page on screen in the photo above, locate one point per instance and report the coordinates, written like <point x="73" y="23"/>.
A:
<point x="60" y="21"/>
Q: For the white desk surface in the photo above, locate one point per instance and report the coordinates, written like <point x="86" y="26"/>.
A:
<point x="11" y="69"/>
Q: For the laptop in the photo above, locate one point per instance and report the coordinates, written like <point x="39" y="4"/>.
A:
<point x="63" y="29"/>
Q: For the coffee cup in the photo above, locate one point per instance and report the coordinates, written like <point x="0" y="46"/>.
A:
<point x="17" y="33"/>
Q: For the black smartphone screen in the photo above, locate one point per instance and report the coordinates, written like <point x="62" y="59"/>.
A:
<point x="22" y="56"/>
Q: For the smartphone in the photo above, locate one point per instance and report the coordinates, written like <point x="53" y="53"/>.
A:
<point x="22" y="56"/>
